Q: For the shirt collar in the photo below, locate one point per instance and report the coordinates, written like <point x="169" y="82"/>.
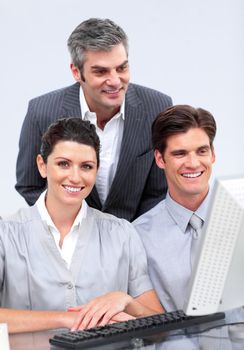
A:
<point x="181" y="215"/>
<point x="202" y="211"/>
<point x="85" y="109"/>
<point x="41" y="206"/>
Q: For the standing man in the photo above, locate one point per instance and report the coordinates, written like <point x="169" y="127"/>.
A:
<point x="183" y="147"/>
<point x="128" y="182"/>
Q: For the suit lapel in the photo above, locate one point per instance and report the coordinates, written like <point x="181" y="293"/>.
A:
<point x="93" y="199"/>
<point x="71" y="101"/>
<point x="134" y="122"/>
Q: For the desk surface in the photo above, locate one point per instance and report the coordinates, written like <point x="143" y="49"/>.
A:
<point x="216" y="339"/>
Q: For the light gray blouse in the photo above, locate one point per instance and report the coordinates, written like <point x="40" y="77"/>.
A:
<point x="109" y="256"/>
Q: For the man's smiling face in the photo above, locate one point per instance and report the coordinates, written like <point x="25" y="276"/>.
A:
<point x="187" y="162"/>
<point x="105" y="78"/>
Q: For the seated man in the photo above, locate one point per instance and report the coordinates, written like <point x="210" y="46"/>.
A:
<point x="183" y="147"/>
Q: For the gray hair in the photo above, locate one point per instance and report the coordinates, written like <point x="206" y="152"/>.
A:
<point x="94" y="34"/>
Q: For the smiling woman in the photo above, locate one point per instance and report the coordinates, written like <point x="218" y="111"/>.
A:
<point x="71" y="174"/>
<point x="86" y="266"/>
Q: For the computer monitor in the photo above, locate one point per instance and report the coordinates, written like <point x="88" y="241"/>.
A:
<point x="217" y="282"/>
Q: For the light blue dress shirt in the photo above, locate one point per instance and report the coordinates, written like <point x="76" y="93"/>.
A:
<point x="166" y="236"/>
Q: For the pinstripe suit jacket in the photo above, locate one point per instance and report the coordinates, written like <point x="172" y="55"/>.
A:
<point x="138" y="184"/>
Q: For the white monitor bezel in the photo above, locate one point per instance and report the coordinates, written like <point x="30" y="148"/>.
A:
<point x="217" y="281"/>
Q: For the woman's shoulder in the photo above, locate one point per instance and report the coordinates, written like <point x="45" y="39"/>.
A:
<point x="114" y="231"/>
<point x="22" y="216"/>
<point x="106" y="217"/>
<point x="109" y="221"/>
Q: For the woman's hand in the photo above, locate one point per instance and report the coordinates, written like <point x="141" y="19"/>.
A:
<point x="121" y="317"/>
<point x="102" y="310"/>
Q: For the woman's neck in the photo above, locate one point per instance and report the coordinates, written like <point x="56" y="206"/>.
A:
<point x="63" y="218"/>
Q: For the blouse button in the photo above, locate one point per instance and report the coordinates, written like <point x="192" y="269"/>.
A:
<point x="70" y="286"/>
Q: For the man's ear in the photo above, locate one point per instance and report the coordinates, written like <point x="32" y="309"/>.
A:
<point x="42" y="167"/>
<point x="159" y="159"/>
<point x="75" y="72"/>
<point x="213" y="154"/>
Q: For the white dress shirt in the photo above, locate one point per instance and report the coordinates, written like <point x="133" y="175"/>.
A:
<point x="110" y="139"/>
<point x="70" y="239"/>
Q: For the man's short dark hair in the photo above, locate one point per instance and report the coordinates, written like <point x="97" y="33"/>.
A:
<point x="179" y="119"/>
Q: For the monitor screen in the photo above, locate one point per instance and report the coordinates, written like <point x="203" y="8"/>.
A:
<point x="217" y="282"/>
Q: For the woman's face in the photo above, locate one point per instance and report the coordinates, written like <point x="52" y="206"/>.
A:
<point x="71" y="171"/>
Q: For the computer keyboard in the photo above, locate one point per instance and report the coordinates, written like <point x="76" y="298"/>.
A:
<point x="130" y="331"/>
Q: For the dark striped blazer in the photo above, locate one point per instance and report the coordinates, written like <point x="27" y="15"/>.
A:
<point x="138" y="184"/>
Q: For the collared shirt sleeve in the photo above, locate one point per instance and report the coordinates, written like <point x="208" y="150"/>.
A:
<point x="139" y="281"/>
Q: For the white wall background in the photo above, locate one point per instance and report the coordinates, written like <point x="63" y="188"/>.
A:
<point x="192" y="50"/>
